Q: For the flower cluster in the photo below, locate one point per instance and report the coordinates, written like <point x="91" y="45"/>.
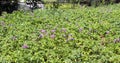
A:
<point x="117" y="40"/>
<point x="25" y="46"/>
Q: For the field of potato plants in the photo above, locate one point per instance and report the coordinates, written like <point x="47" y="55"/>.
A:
<point x="82" y="35"/>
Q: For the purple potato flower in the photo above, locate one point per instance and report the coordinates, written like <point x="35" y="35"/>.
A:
<point x="52" y="36"/>
<point x="63" y="30"/>
<point x="80" y="29"/>
<point x="116" y="40"/>
<point x="42" y="31"/>
<point x="70" y="39"/>
<point x="41" y="36"/>
<point x="25" y="46"/>
<point x="107" y="32"/>
<point x="53" y="31"/>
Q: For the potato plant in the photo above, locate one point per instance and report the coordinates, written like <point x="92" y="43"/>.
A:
<point x="85" y="35"/>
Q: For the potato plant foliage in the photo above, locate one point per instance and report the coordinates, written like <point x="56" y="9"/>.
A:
<point x="84" y="35"/>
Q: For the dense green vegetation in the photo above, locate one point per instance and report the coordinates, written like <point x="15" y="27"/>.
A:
<point x="61" y="36"/>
